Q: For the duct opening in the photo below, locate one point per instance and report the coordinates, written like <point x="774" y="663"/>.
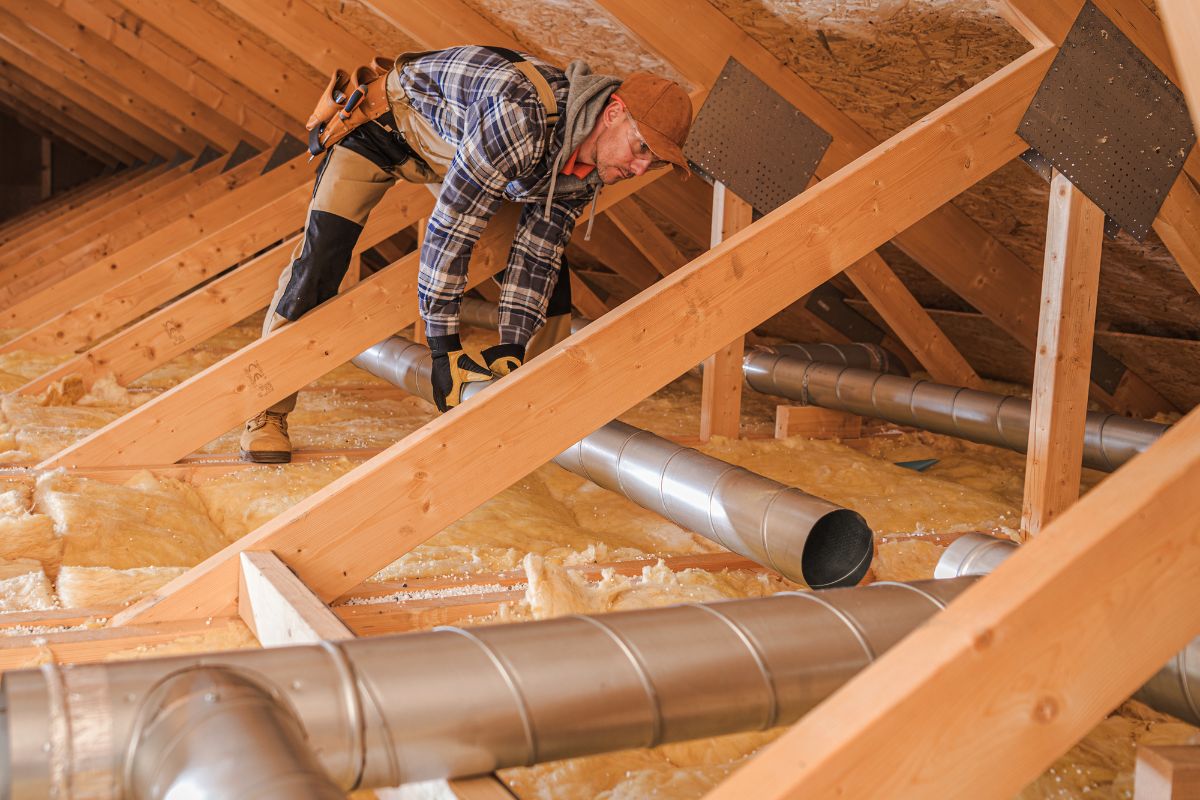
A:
<point x="838" y="550"/>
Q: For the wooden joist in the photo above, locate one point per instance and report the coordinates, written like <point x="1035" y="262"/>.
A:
<point x="220" y="45"/>
<point x="1070" y="282"/>
<point x="312" y="36"/>
<point x="238" y="387"/>
<point x="697" y="38"/>
<point x="647" y="237"/>
<point x="440" y="23"/>
<point x="1167" y="772"/>
<point x="217" y="305"/>
<point x="1181" y="20"/>
<point x="1025" y="663"/>
<point x="721" y="380"/>
<point x="245" y="193"/>
<point x="370" y="516"/>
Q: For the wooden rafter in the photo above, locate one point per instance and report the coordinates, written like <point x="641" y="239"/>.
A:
<point x="444" y="469"/>
<point x="1182" y="28"/>
<point x="42" y="119"/>
<point x="273" y="367"/>
<point x="697" y="39"/>
<point x="220" y="45"/>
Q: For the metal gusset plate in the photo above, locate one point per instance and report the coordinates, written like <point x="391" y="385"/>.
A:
<point x="1111" y="121"/>
<point x="754" y="141"/>
<point x="1042" y="166"/>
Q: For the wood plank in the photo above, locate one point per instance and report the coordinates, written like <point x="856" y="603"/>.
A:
<point x="156" y="128"/>
<point x="912" y="325"/>
<point x="43" y="119"/>
<point x="440" y="23"/>
<point x="101" y="644"/>
<point x="612" y="249"/>
<point x="596" y="374"/>
<point x="238" y="387"/>
<point x="279" y="609"/>
<point x="185" y="190"/>
<point x="1025" y="663"/>
<point x="243" y="199"/>
<point x="584" y="299"/>
<point x="217" y="43"/>
<point x="214" y="307"/>
<point x="1178" y="225"/>
<point x="22" y="49"/>
<point x="263" y="123"/>
<point x="108" y="310"/>
<point x="812" y="422"/>
<point x="1181" y="25"/>
<point x="1070" y="282"/>
<point x="697" y="38"/>
<point x="647" y="237"/>
<point x="721" y="380"/>
<point x="313" y="37"/>
<point x="1166" y="772"/>
<point x="192" y="121"/>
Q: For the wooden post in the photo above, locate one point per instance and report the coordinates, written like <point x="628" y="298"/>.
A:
<point x="1167" y="772"/>
<point x="721" y="385"/>
<point x="47" y="176"/>
<point x="1070" y="278"/>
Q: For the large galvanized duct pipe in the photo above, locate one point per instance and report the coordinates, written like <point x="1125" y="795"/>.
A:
<point x="1109" y="439"/>
<point x="1174" y="689"/>
<point x="477" y="313"/>
<point x="804" y="538"/>
<point x="448" y="703"/>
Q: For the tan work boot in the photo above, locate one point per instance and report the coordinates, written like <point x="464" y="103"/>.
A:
<point x="265" y="440"/>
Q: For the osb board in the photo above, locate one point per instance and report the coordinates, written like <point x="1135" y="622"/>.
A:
<point x="562" y="31"/>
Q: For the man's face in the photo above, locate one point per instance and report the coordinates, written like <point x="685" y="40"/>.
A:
<point x="621" y="152"/>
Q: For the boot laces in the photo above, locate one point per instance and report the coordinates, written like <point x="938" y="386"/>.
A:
<point x="266" y="418"/>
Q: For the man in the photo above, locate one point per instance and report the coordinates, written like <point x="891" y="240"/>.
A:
<point x="490" y="125"/>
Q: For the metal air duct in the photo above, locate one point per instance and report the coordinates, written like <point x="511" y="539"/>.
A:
<point x="1109" y="439"/>
<point x="804" y="538"/>
<point x="448" y="703"/>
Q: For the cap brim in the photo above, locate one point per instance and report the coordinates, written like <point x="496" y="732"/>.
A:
<point x="665" y="149"/>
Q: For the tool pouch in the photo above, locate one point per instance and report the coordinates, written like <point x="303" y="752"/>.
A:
<point x="348" y="103"/>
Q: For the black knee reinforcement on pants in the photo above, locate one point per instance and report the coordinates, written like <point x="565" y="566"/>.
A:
<point x="328" y="244"/>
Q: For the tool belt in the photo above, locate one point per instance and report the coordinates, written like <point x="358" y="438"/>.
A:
<point x="341" y="108"/>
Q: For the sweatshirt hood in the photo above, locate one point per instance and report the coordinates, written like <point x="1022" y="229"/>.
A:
<point x="587" y="96"/>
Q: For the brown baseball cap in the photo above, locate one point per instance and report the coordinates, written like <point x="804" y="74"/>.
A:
<point x="663" y="112"/>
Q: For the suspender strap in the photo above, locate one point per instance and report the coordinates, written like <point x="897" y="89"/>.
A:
<point x="545" y="93"/>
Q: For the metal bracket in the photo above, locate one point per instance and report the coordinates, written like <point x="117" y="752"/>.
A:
<point x="1111" y="121"/>
<point x="748" y="137"/>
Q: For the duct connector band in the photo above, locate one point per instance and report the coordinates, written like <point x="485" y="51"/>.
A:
<point x="1174" y="689"/>
<point x="1109" y="439"/>
<point x="804" y="538"/>
<point x="448" y="703"/>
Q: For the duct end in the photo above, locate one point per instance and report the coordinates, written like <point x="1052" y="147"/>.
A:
<point x="838" y="550"/>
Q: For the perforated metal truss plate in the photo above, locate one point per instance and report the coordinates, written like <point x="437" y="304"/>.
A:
<point x="755" y="142"/>
<point x="1110" y="121"/>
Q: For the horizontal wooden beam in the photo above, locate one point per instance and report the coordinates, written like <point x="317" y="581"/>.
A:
<point x="336" y="537"/>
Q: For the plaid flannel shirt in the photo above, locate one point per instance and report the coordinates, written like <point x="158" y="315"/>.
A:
<point x="484" y="106"/>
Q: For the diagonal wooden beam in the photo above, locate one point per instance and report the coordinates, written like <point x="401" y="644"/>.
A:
<point x="100" y="17"/>
<point x="106" y="311"/>
<point x="43" y="119"/>
<point x="1182" y="28"/>
<point x="68" y="204"/>
<point x="188" y="117"/>
<point x="306" y="32"/>
<point x="647" y="237"/>
<point x="612" y="249"/>
<point x="163" y="133"/>
<point x="247" y="191"/>
<point x="337" y="537"/>
<point x="220" y="45"/>
<point x="1070" y="281"/>
<point x="698" y="39"/>
<point x="1023" y="664"/>
<point x="211" y="309"/>
<point x="273" y="367"/>
<point x="440" y="23"/>
<point x="106" y="120"/>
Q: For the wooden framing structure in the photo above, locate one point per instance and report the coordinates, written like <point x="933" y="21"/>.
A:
<point x="165" y="257"/>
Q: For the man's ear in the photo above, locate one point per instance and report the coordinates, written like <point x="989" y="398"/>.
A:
<point x="613" y="112"/>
